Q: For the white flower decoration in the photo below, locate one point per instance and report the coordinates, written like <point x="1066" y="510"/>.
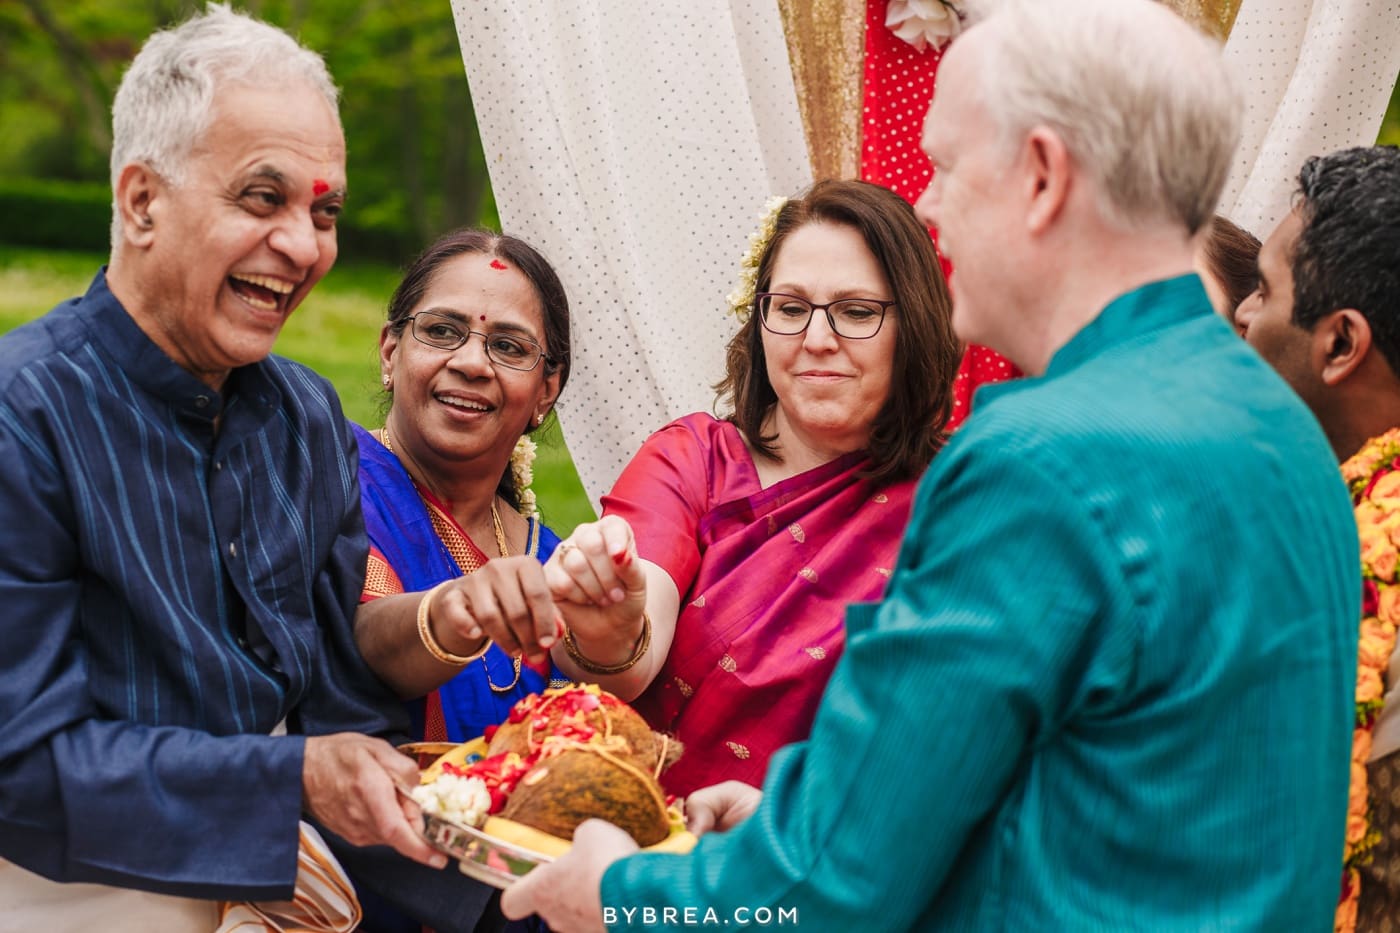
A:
<point x="922" y="23"/>
<point x="741" y="299"/>
<point x="522" y="460"/>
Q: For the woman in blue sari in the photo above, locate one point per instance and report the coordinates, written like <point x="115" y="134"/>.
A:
<point x="474" y="354"/>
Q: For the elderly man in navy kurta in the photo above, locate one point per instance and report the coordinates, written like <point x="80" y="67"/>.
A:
<point x="1109" y="686"/>
<point x="181" y="547"/>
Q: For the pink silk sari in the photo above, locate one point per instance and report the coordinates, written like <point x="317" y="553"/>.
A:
<point x="765" y="576"/>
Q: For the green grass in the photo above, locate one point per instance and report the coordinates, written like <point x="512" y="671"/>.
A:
<point x="335" y="332"/>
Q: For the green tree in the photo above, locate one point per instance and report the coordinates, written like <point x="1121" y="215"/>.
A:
<point x="416" y="164"/>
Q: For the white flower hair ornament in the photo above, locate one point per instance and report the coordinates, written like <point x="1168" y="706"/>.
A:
<point x="742" y="298"/>
<point x="924" y="23"/>
<point x="522" y="461"/>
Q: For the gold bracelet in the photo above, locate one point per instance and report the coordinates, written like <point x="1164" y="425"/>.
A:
<point x="643" y="643"/>
<point x="425" y="635"/>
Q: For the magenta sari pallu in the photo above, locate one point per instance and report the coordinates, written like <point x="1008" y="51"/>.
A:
<point x="765" y="577"/>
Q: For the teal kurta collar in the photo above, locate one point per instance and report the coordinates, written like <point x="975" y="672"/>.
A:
<point x="1140" y="311"/>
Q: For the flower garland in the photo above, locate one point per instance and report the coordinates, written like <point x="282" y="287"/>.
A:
<point x="924" y="23"/>
<point x="1373" y="476"/>
<point x="742" y="298"/>
<point x="522" y="461"/>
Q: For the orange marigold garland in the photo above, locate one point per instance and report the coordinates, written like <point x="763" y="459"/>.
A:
<point x="1373" y="476"/>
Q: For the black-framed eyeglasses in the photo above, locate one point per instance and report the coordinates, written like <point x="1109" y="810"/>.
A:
<point x="852" y="318"/>
<point x="513" y="351"/>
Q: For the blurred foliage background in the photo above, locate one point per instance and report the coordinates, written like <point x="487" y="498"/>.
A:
<point x="416" y="164"/>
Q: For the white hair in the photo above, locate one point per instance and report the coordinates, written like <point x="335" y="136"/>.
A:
<point x="1142" y="100"/>
<point x="166" y="98"/>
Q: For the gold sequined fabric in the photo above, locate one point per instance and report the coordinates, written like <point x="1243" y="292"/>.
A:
<point x="826" y="49"/>
<point x="1378" y="910"/>
<point x="1216" y="17"/>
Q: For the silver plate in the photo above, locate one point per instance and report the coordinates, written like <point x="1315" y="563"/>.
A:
<point x="485" y="858"/>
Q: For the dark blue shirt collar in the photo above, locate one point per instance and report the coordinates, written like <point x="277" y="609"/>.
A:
<point x="118" y="337"/>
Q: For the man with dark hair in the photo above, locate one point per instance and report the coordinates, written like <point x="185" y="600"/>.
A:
<point x="1326" y="314"/>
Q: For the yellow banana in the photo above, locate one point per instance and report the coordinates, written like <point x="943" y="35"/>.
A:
<point x="456" y="757"/>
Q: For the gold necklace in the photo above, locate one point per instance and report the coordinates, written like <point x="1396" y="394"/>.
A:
<point x="500" y="532"/>
<point x="501" y="546"/>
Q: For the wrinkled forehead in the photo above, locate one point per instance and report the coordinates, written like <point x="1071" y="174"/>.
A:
<point x="291" y="126"/>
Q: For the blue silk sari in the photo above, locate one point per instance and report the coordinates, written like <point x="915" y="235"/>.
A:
<point x="402" y="535"/>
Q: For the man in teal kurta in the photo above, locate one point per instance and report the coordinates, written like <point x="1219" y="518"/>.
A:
<point x="1110" y="684"/>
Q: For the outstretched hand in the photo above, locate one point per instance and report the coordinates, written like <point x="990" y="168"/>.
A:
<point x="347" y="784"/>
<point x="506" y="600"/>
<point x="601" y="586"/>
<point x="567" y="892"/>
<point x="720" y="807"/>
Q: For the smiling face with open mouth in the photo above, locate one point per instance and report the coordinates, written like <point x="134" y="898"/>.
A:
<point x="455" y="412"/>
<point x="234" y="248"/>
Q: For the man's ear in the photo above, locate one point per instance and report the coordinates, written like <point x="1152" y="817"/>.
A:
<point x="1047" y="165"/>
<point x="138" y="190"/>
<point x="1341" y="341"/>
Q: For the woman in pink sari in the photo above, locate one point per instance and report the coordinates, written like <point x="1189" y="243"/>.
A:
<point x="751" y="534"/>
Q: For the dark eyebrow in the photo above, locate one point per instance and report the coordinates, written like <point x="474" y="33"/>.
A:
<point x="1260" y="276"/>
<point x="495" y="328"/>
<point x="268" y="173"/>
<point x="448" y="312"/>
<point x="279" y="177"/>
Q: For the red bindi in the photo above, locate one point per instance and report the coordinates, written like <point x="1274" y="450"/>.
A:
<point x="319" y="187"/>
<point x="483" y="317"/>
<point x="497" y="264"/>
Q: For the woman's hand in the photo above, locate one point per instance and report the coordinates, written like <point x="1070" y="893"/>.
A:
<point x="720" y="807"/>
<point x="508" y="601"/>
<point x="601" y="588"/>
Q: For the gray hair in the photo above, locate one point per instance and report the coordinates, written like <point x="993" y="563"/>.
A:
<point x="166" y="98"/>
<point x="1143" y="101"/>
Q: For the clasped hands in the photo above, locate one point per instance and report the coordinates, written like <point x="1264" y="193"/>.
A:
<point x="593" y="586"/>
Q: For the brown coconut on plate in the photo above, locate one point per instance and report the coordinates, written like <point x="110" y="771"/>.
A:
<point x="590" y="781"/>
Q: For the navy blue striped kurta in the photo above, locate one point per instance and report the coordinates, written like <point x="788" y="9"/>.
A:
<point x="1110" y="686"/>
<point x="168" y="594"/>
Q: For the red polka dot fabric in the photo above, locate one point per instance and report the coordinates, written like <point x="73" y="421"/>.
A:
<point x="899" y="85"/>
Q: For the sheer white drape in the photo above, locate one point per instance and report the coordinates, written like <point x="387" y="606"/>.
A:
<point x="1317" y="75"/>
<point x="635" y="145"/>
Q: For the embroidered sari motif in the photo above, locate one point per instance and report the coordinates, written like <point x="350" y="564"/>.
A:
<point x="415" y="544"/>
<point x="761" y="625"/>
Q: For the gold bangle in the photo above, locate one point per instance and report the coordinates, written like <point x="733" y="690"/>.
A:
<point x="425" y="635"/>
<point x="643" y="643"/>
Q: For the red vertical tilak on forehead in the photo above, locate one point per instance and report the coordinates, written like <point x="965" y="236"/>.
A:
<point x="497" y="264"/>
<point x="319" y="187"/>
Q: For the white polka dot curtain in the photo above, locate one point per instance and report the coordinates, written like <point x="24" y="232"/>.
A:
<point x="1317" y="75"/>
<point x="635" y="144"/>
